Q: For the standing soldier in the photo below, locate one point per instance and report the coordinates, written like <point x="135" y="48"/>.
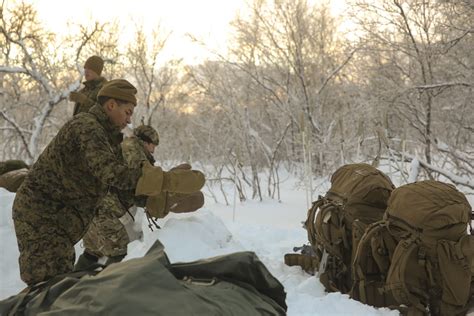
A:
<point x="57" y="201"/>
<point x="86" y="97"/>
<point x="107" y="235"/>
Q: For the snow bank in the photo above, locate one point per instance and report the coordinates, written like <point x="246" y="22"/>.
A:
<point x="268" y="228"/>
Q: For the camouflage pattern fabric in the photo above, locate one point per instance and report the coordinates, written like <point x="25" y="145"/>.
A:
<point x="56" y="203"/>
<point x="134" y="152"/>
<point x="147" y="134"/>
<point x="43" y="238"/>
<point x="107" y="236"/>
<point x="90" y="90"/>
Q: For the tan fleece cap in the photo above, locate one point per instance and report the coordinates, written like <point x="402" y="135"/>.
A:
<point x="119" y="89"/>
<point x="95" y="63"/>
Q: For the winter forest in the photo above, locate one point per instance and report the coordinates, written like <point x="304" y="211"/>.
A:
<point x="295" y="89"/>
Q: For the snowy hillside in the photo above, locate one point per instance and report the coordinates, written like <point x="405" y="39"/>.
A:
<point x="268" y="228"/>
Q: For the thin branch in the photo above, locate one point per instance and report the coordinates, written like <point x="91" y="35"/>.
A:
<point x="20" y="132"/>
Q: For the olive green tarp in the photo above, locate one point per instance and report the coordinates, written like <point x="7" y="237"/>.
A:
<point x="234" y="284"/>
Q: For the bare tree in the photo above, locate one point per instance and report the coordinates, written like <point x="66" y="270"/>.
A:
<point x="39" y="78"/>
<point x="156" y="81"/>
<point x="411" y="49"/>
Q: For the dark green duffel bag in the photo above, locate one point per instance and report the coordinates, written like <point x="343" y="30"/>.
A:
<point x="235" y="284"/>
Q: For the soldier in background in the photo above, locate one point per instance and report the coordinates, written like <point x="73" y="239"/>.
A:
<point x="140" y="147"/>
<point x="86" y="97"/>
<point x="57" y="201"/>
<point x="112" y="227"/>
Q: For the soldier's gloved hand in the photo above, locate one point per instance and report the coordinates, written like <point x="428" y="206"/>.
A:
<point x="184" y="203"/>
<point x="183" y="181"/>
<point x="156" y="205"/>
<point x="73" y="96"/>
<point x="154" y="180"/>
<point x="151" y="181"/>
<point x="184" y="166"/>
<point x="77" y="97"/>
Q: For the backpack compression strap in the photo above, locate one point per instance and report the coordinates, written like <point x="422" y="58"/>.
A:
<point x="310" y="223"/>
<point x="396" y="279"/>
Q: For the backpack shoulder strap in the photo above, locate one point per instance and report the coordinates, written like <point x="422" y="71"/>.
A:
<point x="365" y="267"/>
<point x="407" y="274"/>
<point x="455" y="262"/>
<point x="310" y="223"/>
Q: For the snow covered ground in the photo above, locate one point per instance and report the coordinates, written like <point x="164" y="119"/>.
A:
<point x="268" y="228"/>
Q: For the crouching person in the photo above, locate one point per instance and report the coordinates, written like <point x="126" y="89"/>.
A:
<point x="140" y="147"/>
<point x="109" y="233"/>
<point x="57" y="201"/>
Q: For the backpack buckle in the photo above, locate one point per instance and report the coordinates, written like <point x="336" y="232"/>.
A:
<point x="323" y="263"/>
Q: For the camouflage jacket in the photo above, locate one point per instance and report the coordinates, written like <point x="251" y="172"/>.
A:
<point x="80" y="165"/>
<point x="90" y="90"/>
<point x="134" y="153"/>
<point x="120" y="201"/>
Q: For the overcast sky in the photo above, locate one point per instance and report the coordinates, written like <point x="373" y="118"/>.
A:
<point x="205" y="19"/>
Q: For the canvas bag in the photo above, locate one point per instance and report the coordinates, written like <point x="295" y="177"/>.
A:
<point x="235" y="284"/>
<point x="421" y="252"/>
<point x="335" y="223"/>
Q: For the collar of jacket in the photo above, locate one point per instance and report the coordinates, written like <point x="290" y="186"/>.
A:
<point x="98" y="111"/>
<point x="94" y="83"/>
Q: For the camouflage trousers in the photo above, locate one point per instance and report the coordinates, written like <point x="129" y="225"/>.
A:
<point x="107" y="235"/>
<point x="46" y="233"/>
<point x="42" y="258"/>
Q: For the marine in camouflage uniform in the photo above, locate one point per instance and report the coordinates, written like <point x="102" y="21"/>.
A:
<point x="107" y="235"/>
<point x="55" y="205"/>
<point x="86" y="97"/>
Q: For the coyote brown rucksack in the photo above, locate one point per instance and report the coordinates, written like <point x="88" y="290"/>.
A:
<point x="420" y="255"/>
<point x="357" y="197"/>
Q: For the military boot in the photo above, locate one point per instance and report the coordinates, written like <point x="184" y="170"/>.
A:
<point x="85" y="261"/>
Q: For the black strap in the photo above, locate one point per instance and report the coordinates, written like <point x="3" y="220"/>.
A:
<point x="151" y="221"/>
